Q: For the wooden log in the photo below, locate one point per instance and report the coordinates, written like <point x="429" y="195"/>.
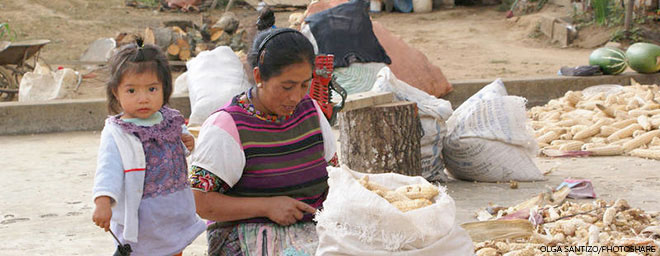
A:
<point x="182" y="43"/>
<point x="173" y="50"/>
<point x="126" y="38"/>
<point x="179" y="31"/>
<point x="382" y="138"/>
<point x="149" y="37"/>
<point x="185" y="54"/>
<point x="367" y="99"/>
<point x="217" y="34"/>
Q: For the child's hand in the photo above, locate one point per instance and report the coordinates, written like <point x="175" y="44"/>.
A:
<point x="102" y="212"/>
<point x="188" y="140"/>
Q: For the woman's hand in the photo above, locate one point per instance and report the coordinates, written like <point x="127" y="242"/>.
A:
<point x="102" y="212"/>
<point x="188" y="140"/>
<point x="285" y="210"/>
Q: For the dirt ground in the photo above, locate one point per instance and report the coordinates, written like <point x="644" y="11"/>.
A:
<point x="47" y="179"/>
<point x="465" y="42"/>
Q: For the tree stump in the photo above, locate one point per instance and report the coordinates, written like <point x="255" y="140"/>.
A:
<point x="382" y="138"/>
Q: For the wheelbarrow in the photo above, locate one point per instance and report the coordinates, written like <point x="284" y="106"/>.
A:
<point x="14" y="58"/>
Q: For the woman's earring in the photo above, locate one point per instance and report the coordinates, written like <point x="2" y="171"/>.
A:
<point x="259" y="85"/>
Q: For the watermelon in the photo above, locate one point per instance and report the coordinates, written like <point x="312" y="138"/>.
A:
<point x="644" y="57"/>
<point x="611" y="60"/>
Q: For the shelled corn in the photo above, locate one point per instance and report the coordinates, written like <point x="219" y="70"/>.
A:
<point x="626" y="121"/>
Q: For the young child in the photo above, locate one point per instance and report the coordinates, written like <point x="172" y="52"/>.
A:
<point x="141" y="190"/>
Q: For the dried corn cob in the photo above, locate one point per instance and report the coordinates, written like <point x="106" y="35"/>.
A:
<point x="623" y="123"/>
<point x="589" y="146"/>
<point x="410" y="205"/>
<point x="417" y="191"/>
<point x="607" y="130"/>
<point x="606" y="110"/>
<point x="548" y="137"/>
<point x="655" y="142"/>
<point x="577" y="128"/>
<point x="638" y="112"/>
<point x="597" y="97"/>
<point x="612" y="150"/>
<point x="646" y="153"/>
<point x="621" y="141"/>
<point x="566" y="136"/>
<point x="640" y="140"/>
<point x="487" y="252"/>
<point x="567" y="123"/>
<point x="573" y="97"/>
<point x="371" y="185"/>
<point x="625" y="132"/>
<point x="650" y="105"/>
<point x="589" y="131"/>
<point x="571" y="146"/>
<point x="655" y="123"/>
<point x="393" y="196"/>
<point x="644" y="122"/>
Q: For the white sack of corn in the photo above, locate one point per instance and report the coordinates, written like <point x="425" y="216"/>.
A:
<point x="488" y="140"/>
<point x="433" y="113"/>
<point x="357" y="221"/>
<point x="214" y="77"/>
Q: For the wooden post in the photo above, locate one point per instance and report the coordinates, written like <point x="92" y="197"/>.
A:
<point x="628" y="17"/>
<point x="382" y="138"/>
<point x="229" y="5"/>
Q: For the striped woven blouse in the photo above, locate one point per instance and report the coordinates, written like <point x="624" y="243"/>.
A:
<point x="247" y="156"/>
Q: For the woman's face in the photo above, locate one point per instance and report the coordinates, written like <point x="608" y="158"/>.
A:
<point x="281" y="94"/>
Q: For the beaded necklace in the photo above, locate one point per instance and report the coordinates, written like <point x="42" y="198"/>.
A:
<point x="249" y="106"/>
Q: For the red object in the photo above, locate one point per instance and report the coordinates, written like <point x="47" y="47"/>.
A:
<point x="60" y="68"/>
<point x="321" y="77"/>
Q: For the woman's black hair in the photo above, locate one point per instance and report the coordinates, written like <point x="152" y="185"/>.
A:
<point x="135" y="59"/>
<point x="275" y="49"/>
<point x="266" y="19"/>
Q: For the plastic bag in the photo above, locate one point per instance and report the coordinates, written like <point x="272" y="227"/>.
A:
<point x="214" y="77"/>
<point x="43" y="84"/>
<point x="181" y="84"/>
<point x="356" y="221"/>
<point x="488" y="139"/>
<point x="432" y="113"/>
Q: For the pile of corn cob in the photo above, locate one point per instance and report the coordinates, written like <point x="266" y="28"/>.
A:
<point x="404" y="198"/>
<point x="589" y="224"/>
<point x="604" y="124"/>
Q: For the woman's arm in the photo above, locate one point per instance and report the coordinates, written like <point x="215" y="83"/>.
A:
<point x="212" y="204"/>
<point x="282" y="210"/>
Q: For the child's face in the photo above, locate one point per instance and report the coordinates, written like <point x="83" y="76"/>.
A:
<point x="139" y="94"/>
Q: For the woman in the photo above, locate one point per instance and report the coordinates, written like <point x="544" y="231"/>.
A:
<point x="259" y="169"/>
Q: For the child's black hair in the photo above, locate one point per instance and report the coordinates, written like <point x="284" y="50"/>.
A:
<point x="275" y="49"/>
<point x="134" y="59"/>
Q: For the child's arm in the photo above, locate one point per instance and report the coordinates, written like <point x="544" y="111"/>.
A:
<point x="108" y="181"/>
